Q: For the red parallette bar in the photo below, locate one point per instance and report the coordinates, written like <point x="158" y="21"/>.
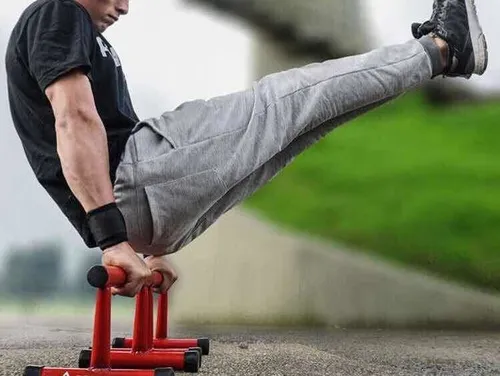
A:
<point x="161" y="340"/>
<point x="141" y="322"/>
<point x="150" y="322"/>
<point x="157" y="279"/>
<point x="191" y="355"/>
<point x="93" y="372"/>
<point x="175" y="342"/>
<point x="101" y="372"/>
<point x="101" y="276"/>
<point x="168" y="343"/>
<point x="101" y="341"/>
<point x="100" y="359"/>
<point x="163" y="350"/>
<point x="162" y="317"/>
<point x="150" y="359"/>
<point x="116" y="276"/>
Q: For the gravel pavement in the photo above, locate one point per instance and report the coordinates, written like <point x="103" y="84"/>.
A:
<point x="267" y="351"/>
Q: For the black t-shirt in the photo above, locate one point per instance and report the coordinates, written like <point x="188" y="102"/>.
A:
<point x="51" y="38"/>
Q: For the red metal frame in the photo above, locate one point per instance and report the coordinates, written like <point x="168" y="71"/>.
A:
<point x="161" y="340"/>
<point x="141" y="352"/>
<point x="101" y="357"/>
<point x="101" y="372"/>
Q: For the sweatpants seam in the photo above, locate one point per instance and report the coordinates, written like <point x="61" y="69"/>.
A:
<point x="204" y="217"/>
<point x="336" y="77"/>
<point x="137" y="202"/>
<point x="321" y="121"/>
<point x="224" y="184"/>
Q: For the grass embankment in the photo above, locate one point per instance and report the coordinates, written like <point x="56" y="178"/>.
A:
<point x="409" y="182"/>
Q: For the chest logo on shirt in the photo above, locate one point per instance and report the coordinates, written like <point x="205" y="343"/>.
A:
<point x="105" y="50"/>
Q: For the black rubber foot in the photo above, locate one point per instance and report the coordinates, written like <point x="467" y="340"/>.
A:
<point x="118" y="343"/>
<point x="164" y="372"/>
<point x="191" y="361"/>
<point x="84" y="359"/>
<point x="97" y="276"/>
<point x="33" y="371"/>
<point x="199" y="351"/>
<point x="204" y="343"/>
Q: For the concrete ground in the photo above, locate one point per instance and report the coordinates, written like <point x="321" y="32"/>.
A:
<point x="264" y="351"/>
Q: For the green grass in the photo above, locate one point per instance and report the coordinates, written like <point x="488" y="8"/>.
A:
<point x="409" y="182"/>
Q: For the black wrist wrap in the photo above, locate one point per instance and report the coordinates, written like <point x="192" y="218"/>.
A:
<point x="107" y="225"/>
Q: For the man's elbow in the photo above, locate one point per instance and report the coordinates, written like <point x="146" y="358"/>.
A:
<point x="76" y="118"/>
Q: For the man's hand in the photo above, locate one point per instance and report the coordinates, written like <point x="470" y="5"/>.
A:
<point x="160" y="264"/>
<point x="138" y="273"/>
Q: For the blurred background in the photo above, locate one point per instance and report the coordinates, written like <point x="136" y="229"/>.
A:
<point x="414" y="183"/>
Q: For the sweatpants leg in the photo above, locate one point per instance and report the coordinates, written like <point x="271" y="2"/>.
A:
<point x="267" y="172"/>
<point x="216" y="153"/>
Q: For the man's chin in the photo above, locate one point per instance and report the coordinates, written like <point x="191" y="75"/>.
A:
<point x="102" y="27"/>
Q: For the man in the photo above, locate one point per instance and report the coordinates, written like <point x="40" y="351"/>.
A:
<point x="152" y="187"/>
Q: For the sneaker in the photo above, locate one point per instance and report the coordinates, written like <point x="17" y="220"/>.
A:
<point x="456" y="22"/>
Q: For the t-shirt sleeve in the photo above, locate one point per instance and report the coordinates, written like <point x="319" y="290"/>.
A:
<point x="58" y="40"/>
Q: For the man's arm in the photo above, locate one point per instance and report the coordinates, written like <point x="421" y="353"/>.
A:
<point x="81" y="140"/>
<point x="83" y="150"/>
<point x="57" y="47"/>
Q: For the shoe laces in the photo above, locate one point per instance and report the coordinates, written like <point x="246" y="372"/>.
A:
<point x="421" y="29"/>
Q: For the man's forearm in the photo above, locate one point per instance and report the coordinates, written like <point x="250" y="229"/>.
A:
<point x="83" y="151"/>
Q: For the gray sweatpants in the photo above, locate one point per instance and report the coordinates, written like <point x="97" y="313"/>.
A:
<point x="181" y="171"/>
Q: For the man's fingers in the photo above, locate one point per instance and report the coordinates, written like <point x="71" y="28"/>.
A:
<point x="160" y="264"/>
<point x="169" y="278"/>
<point x="130" y="289"/>
<point x="145" y="276"/>
<point x="133" y="285"/>
<point x="166" y="285"/>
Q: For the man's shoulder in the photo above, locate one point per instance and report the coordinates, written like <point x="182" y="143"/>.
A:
<point x="46" y="11"/>
<point x="39" y="6"/>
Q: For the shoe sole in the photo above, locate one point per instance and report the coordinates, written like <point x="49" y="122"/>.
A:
<point x="478" y="39"/>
